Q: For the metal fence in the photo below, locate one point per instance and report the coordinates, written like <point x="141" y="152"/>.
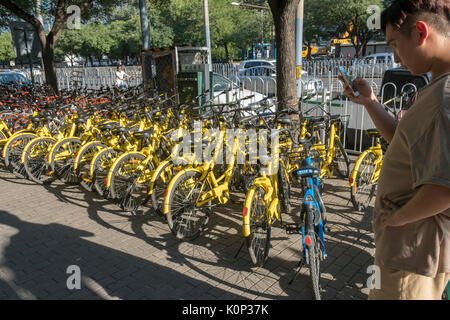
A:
<point x="331" y="94"/>
<point x="91" y="78"/>
<point x="325" y="71"/>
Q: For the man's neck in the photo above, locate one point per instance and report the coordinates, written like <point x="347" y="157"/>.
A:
<point x="440" y="66"/>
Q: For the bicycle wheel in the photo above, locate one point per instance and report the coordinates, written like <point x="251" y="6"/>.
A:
<point x="363" y="189"/>
<point x="162" y="180"/>
<point x="35" y="160"/>
<point x="323" y="210"/>
<point x="102" y="162"/>
<point x="128" y="182"/>
<point x="340" y="160"/>
<point x="284" y="191"/>
<point x="62" y="160"/>
<point x="313" y="247"/>
<point x="83" y="162"/>
<point x="2" y="141"/>
<point x="185" y="219"/>
<point x="258" y="241"/>
<point x="13" y="153"/>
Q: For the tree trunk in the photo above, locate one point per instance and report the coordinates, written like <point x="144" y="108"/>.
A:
<point x="283" y="12"/>
<point x="49" y="65"/>
<point x="227" y="54"/>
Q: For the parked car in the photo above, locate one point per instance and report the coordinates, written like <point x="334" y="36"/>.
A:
<point x="255" y="63"/>
<point x="254" y="72"/>
<point x="222" y="84"/>
<point x="14" y="78"/>
<point x="251" y="79"/>
<point x="380" y="58"/>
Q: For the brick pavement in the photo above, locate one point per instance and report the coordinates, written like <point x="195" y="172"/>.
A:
<point x="45" y="229"/>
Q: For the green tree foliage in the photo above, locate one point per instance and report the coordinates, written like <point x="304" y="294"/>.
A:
<point x="69" y="45"/>
<point x="6" y="47"/>
<point x="338" y="17"/>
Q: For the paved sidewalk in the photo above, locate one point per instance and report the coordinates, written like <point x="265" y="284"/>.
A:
<point x="46" y="229"/>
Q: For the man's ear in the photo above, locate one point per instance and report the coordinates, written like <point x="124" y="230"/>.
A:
<point x="423" y="31"/>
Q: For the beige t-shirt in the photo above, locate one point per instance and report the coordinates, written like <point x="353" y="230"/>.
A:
<point x="419" y="154"/>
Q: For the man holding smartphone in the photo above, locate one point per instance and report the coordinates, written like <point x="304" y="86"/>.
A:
<point x="412" y="208"/>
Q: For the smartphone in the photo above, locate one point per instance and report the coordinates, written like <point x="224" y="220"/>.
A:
<point x="348" y="80"/>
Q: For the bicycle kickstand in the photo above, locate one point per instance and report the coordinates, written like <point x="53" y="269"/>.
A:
<point x="299" y="267"/>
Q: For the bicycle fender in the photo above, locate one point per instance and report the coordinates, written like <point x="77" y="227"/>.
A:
<point x="91" y="167"/>
<point x="247" y="208"/>
<point x="52" y="150"/>
<point x="155" y="174"/>
<point x="28" y="146"/>
<point x="10" y="140"/>
<point x="80" y="152"/>
<point x="355" y="168"/>
<point x="171" y="183"/>
<point x="111" y="170"/>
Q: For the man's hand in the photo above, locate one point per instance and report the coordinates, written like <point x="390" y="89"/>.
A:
<point x="390" y="216"/>
<point x="366" y="94"/>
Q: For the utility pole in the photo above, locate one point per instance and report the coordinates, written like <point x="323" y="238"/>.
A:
<point x="299" y="46"/>
<point x="145" y="27"/>
<point x="207" y="33"/>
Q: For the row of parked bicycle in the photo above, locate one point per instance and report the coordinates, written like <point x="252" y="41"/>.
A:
<point x="148" y="153"/>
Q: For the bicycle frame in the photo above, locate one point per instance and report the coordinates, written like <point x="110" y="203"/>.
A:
<point x="310" y="205"/>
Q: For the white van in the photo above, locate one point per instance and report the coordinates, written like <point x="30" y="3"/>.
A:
<point x="381" y="58"/>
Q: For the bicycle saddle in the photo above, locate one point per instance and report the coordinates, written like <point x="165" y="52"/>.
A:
<point x="306" y="172"/>
<point x="319" y="125"/>
<point x="143" y="134"/>
<point x="108" y="126"/>
<point x="372" y="132"/>
<point x="82" y="119"/>
<point x="120" y="130"/>
<point x="35" y="119"/>
<point x="284" y="120"/>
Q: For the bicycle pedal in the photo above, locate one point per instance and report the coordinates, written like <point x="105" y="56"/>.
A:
<point x="332" y="229"/>
<point x="292" y="228"/>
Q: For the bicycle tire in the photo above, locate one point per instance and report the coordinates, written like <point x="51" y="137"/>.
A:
<point x="186" y="221"/>
<point x="341" y="160"/>
<point x="363" y="190"/>
<point x="323" y="210"/>
<point x="62" y="160"/>
<point x="3" y="141"/>
<point x="258" y="240"/>
<point x="83" y="163"/>
<point x="313" y="254"/>
<point x="35" y="161"/>
<point x="127" y="185"/>
<point x="13" y="153"/>
<point x="284" y="191"/>
<point x="161" y="181"/>
<point x="102" y="162"/>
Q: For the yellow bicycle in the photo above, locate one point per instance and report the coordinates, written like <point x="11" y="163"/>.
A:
<point x="364" y="177"/>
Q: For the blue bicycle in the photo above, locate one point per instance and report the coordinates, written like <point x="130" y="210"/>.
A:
<point x="312" y="219"/>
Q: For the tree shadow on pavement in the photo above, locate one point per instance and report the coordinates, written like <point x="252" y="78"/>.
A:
<point x="35" y="259"/>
